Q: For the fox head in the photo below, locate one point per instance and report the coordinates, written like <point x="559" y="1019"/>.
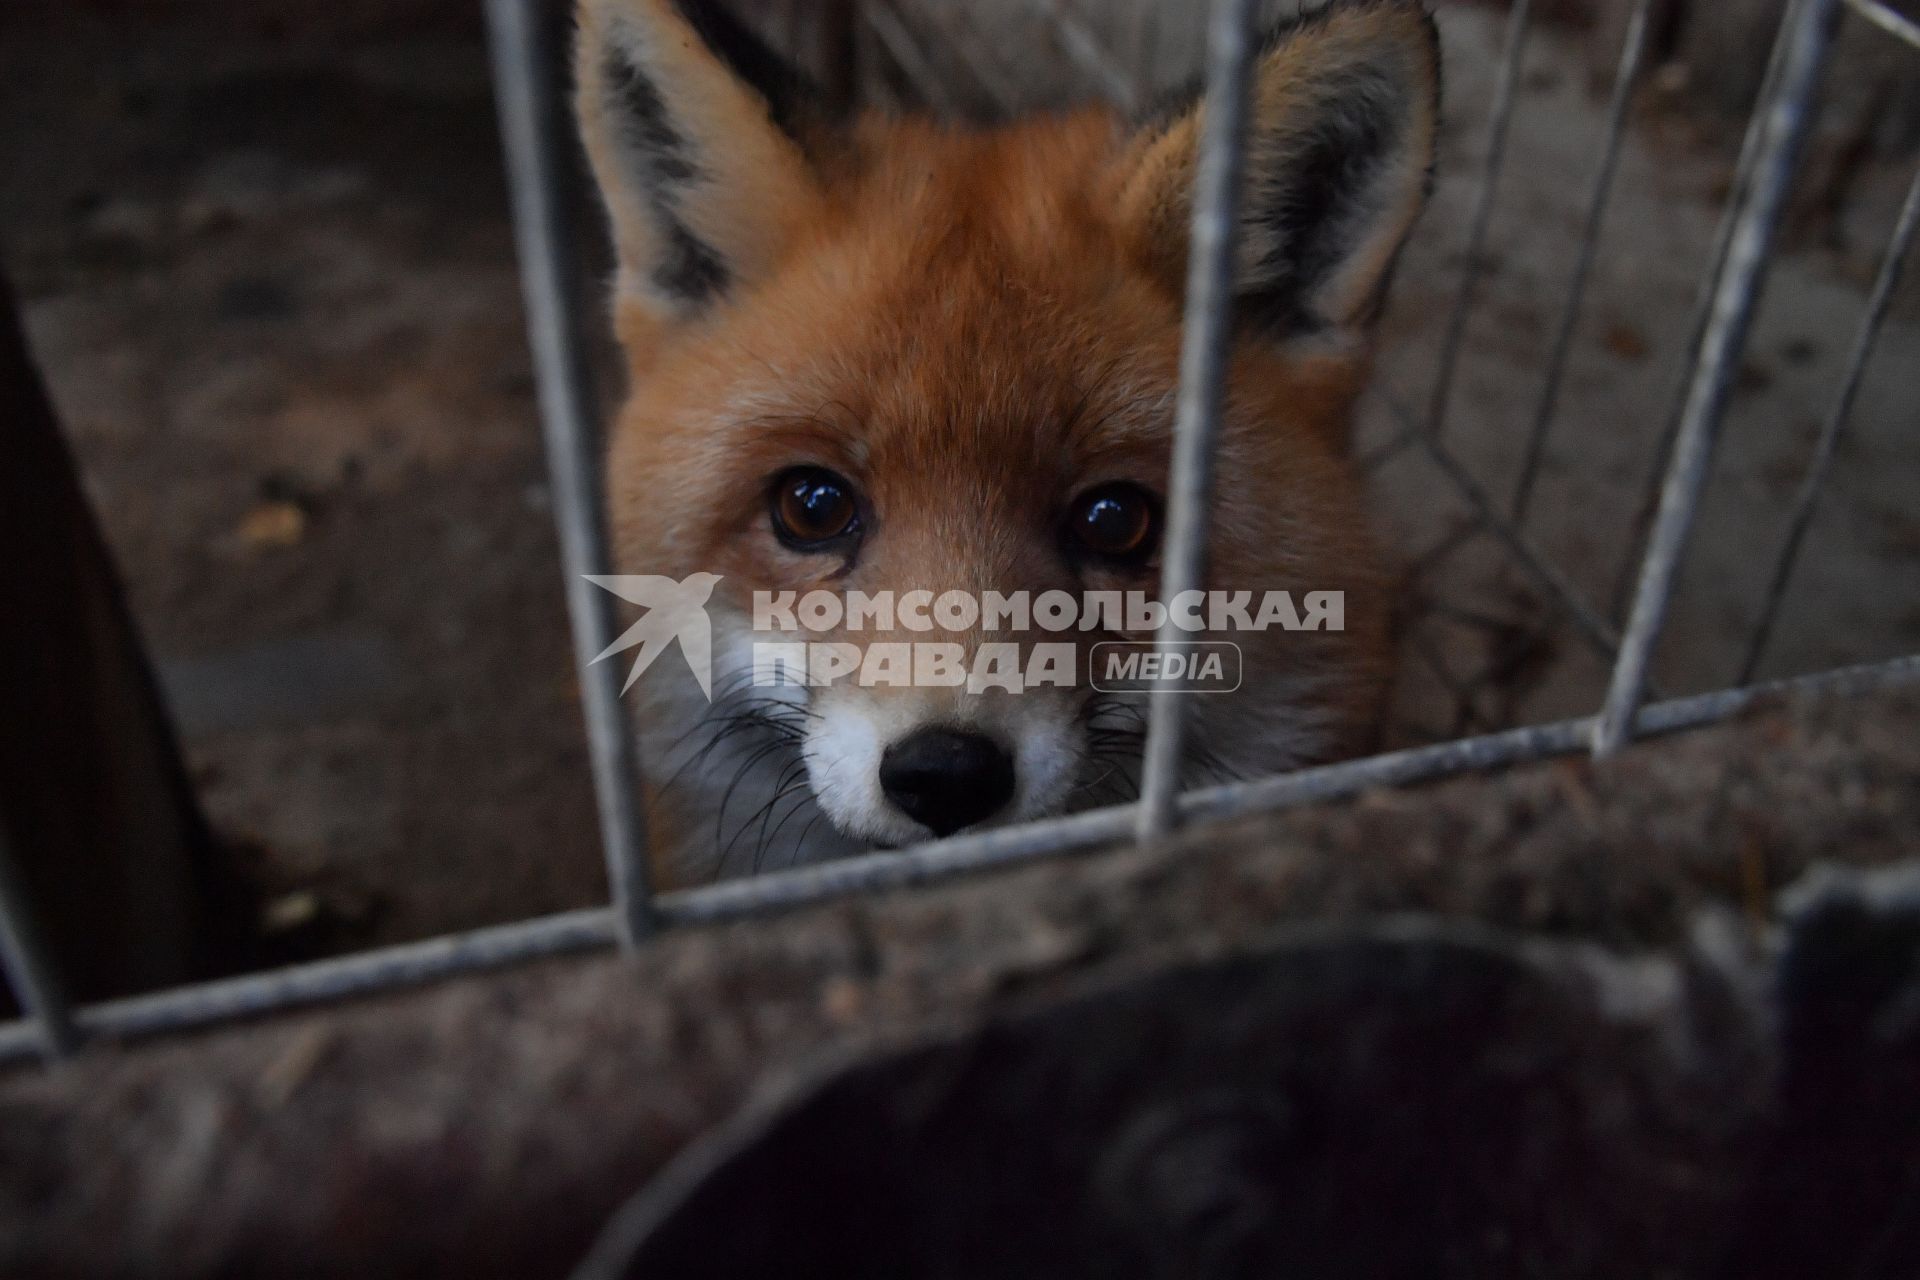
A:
<point x="884" y="355"/>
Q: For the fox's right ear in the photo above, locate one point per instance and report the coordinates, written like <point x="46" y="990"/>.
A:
<point x="1340" y="146"/>
<point x="698" y="137"/>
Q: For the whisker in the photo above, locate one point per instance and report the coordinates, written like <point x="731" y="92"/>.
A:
<point x="740" y="776"/>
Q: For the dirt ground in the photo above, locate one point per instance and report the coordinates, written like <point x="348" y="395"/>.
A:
<point x="273" y="290"/>
<point x="270" y="280"/>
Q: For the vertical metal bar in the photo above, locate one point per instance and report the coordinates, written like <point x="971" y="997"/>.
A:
<point x="1503" y="99"/>
<point x="1632" y="55"/>
<point x="534" y="133"/>
<point x="1809" y="27"/>
<point x="1642" y="520"/>
<point x="1203" y="365"/>
<point x="24" y="961"/>
<point x="1822" y="464"/>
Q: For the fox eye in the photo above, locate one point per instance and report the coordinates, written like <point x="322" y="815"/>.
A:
<point x="1118" y="522"/>
<point x="813" y="508"/>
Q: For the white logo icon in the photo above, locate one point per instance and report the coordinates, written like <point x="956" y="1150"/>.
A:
<point x="674" y="611"/>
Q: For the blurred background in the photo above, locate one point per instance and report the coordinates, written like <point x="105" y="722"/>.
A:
<point x="264" y="261"/>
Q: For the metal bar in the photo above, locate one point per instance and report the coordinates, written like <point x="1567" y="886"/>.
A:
<point x="534" y="134"/>
<point x="1528" y="745"/>
<point x="28" y="969"/>
<point x="888" y="872"/>
<point x="1818" y="470"/>
<point x="1809" y="27"/>
<point x="1203" y="366"/>
<point x="586" y="931"/>
<point x="1642" y="521"/>
<point x="1887" y="20"/>
<point x="1632" y="55"/>
<point x="369" y="973"/>
<point x="1503" y="98"/>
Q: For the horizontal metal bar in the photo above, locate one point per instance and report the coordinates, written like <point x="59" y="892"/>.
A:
<point x="1815" y="481"/>
<point x="584" y="931"/>
<point x="368" y="973"/>
<point x="535" y="135"/>
<point x="1887" y="20"/>
<point x="1205" y="343"/>
<point x="1523" y="746"/>
<point x="884" y="872"/>
<point x="1784" y="118"/>
<point x="1037" y="841"/>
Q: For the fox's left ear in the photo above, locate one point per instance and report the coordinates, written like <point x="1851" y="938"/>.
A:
<point x="699" y="137"/>
<point x="1340" y="152"/>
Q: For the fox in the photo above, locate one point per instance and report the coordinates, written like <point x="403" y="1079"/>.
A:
<point x="874" y="352"/>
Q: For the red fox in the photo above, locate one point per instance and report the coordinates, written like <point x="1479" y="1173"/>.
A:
<point x="882" y="354"/>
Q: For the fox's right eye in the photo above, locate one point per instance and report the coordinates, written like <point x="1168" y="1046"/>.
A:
<point x="812" y="508"/>
<point x="1118" y="523"/>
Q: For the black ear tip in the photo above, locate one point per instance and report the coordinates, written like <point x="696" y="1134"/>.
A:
<point x="793" y="101"/>
<point x="1179" y="101"/>
<point x="1424" y="24"/>
<point x="1287" y="28"/>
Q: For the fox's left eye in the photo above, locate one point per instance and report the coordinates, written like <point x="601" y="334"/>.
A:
<point x="1116" y="522"/>
<point x="813" y="508"/>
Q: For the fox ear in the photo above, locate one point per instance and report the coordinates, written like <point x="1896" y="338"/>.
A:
<point x="698" y="135"/>
<point x="1340" y="149"/>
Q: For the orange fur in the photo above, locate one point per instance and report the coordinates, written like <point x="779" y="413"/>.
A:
<point x="973" y="327"/>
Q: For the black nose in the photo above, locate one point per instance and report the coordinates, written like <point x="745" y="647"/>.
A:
<point x="946" y="779"/>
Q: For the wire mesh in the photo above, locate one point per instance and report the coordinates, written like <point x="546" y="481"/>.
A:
<point x="1633" y="55"/>
<point x="1441" y="399"/>
<point x="1788" y="557"/>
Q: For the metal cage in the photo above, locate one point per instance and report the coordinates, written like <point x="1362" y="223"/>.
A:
<point x="535" y="135"/>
